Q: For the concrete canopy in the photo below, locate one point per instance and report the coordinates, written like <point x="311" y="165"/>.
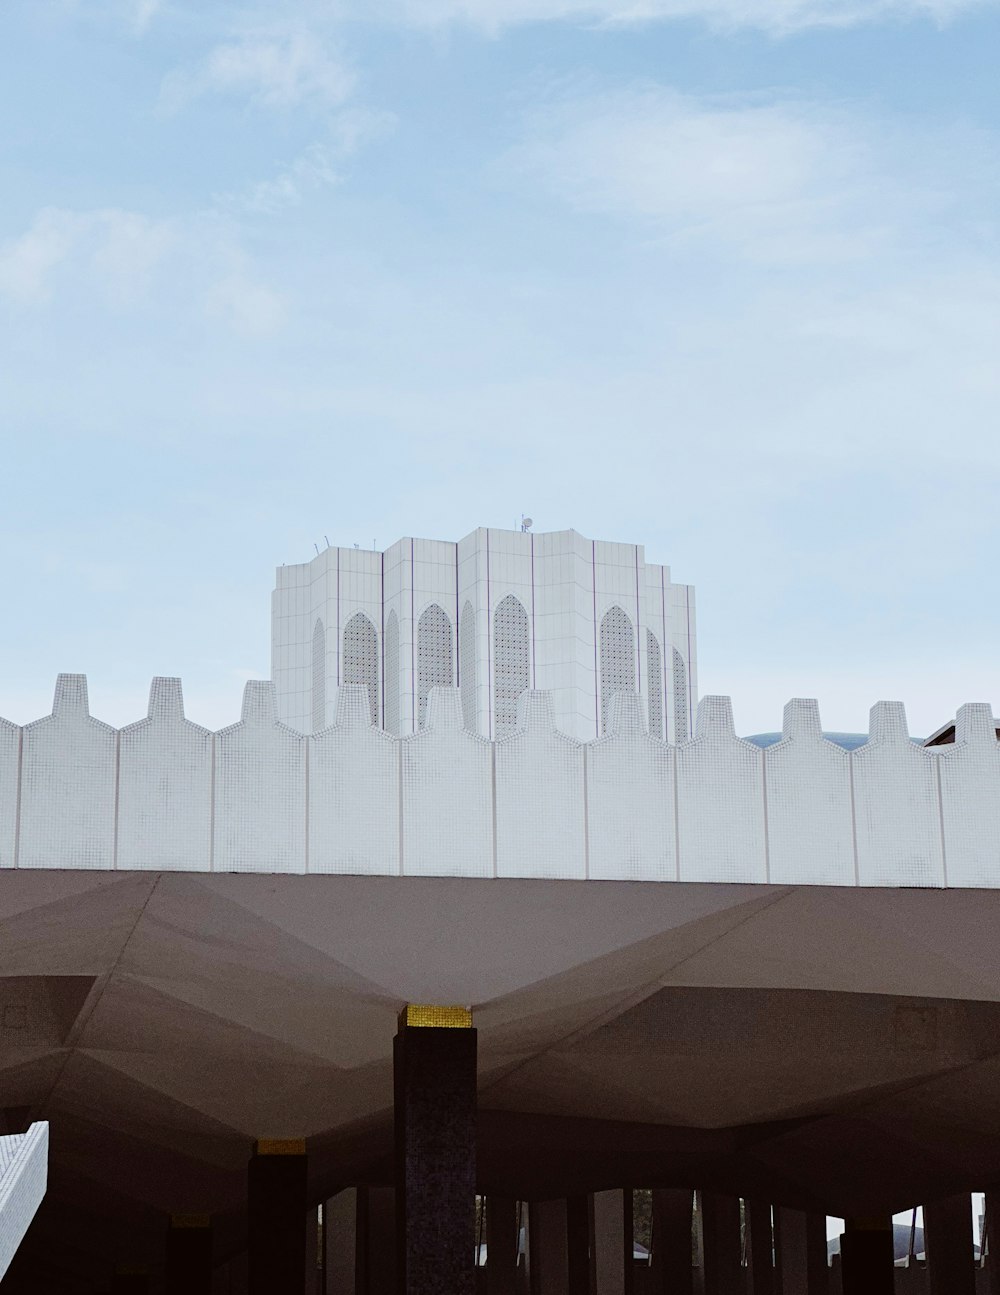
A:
<point x="821" y="1047"/>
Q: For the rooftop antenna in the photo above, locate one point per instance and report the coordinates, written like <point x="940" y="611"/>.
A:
<point x="356" y="545"/>
<point x="316" y="547"/>
<point x="327" y="538"/>
<point x="526" y="524"/>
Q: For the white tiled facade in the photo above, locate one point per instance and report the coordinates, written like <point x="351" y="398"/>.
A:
<point x="496" y="614"/>
<point x="24" y="1165"/>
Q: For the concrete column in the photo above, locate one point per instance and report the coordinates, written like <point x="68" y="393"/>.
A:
<point x="435" y="1120"/>
<point x="189" y="1255"/>
<point x="377" y="1248"/>
<point x="992" y="1271"/>
<point x="547" y="1231"/>
<point x="501" y="1245"/>
<point x="340" y="1242"/>
<point x="721" y="1223"/>
<point x="761" y="1248"/>
<point x="612" y="1243"/>
<point x="578" y="1245"/>
<point x="672" y="1270"/>
<point x="311" y="1258"/>
<point x="948" y="1242"/>
<point x="276" y="1210"/>
<point x="867" y="1256"/>
<point x="802" y="1266"/>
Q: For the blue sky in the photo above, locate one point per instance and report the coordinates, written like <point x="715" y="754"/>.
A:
<point x="718" y="276"/>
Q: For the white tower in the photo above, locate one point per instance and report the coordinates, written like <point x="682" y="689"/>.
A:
<point x="495" y="614"/>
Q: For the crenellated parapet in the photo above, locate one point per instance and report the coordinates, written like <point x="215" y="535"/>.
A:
<point x="166" y="794"/>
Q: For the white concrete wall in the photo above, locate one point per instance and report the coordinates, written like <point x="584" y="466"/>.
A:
<point x="24" y="1169"/>
<point x="258" y="796"/>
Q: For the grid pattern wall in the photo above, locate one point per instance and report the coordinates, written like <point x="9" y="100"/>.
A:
<point x="467" y="658"/>
<point x="361" y="658"/>
<point x="682" y="730"/>
<point x="318" y="677"/>
<point x="617" y="658"/>
<point x="166" y="794"/>
<point x="24" y="1167"/>
<point x="511" y="663"/>
<point x="654" y="683"/>
<point x="435" y="668"/>
<point x="391" y="680"/>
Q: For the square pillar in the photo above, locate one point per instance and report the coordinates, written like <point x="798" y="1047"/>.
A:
<point x="673" y="1245"/>
<point x="501" y="1245"/>
<point x="721" y="1230"/>
<point x="340" y="1242"/>
<point x="276" y="1216"/>
<point x="435" y="1121"/>
<point x="612" y="1243"/>
<point x="802" y="1265"/>
<point x="948" y="1243"/>
<point x="130" y="1281"/>
<point x="189" y="1255"/>
<point x="547" y="1237"/>
<point x="761" y="1248"/>
<point x="867" y="1256"/>
<point x="376" y="1242"/>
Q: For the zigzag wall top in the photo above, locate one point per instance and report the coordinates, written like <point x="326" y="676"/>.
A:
<point x="258" y="796"/>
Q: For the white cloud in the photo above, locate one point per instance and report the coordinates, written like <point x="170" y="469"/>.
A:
<point x="117" y="249"/>
<point x="778" y="182"/>
<point x="246" y="306"/>
<point x="143" y="13"/>
<point x="273" y="69"/>
<point x="778" y="17"/>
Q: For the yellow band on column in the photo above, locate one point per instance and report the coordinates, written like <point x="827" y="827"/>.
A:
<point x="432" y="1016"/>
<point x="280" y="1147"/>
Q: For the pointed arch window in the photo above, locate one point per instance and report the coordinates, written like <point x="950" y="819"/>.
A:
<point x="435" y="666"/>
<point x="511" y="663"/>
<point x="361" y="658"/>
<point x="467" y="662"/>
<point x="617" y="658"/>
<point x="654" y="677"/>
<point x="682" y="724"/>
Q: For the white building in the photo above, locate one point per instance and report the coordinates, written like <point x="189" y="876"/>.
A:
<point x="495" y="614"/>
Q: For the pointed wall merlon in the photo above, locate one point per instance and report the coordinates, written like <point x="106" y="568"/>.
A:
<point x="165" y="793"/>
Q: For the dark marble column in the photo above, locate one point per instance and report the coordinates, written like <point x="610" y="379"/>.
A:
<point x="435" y="1120"/>
<point x="761" y="1248"/>
<point x="867" y="1256"/>
<point x="189" y="1255"/>
<point x="948" y="1243"/>
<point x="276" y="1217"/>
<point x="501" y="1245"/>
<point x="671" y="1269"/>
<point x="721" y="1223"/>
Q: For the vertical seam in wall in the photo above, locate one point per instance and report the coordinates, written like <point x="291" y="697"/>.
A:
<point x="677" y="818"/>
<point x="306" y="771"/>
<point x="211" y="810"/>
<point x="638" y="628"/>
<point x="413" y="648"/>
<point x="339" y="644"/>
<point x="940" y="801"/>
<point x="118" y="768"/>
<point x="534" y="677"/>
<point x="493" y="792"/>
<point x="586" y="820"/>
<point x="767" y="821"/>
<point x="489" y="645"/>
<point x="382" y="638"/>
<point x="597" y="684"/>
<point x="17" y="803"/>
<point x="399" y="798"/>
<point x="854" y="819"/>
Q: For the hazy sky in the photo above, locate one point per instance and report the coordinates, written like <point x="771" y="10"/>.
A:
<point x="718" y="276"/>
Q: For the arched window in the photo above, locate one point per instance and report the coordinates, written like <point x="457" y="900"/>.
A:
<point x="391" y="684"/>
<point x="467" y="661"/>
<point x="511" y="663"/>
<point x="654" y="677"/>
<point x="319" y="677"/>
<point x="434" y="656"/>
<point x="682" y="727"/>
<point x="361" y="657"/>
<point x="617" y="658"/>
